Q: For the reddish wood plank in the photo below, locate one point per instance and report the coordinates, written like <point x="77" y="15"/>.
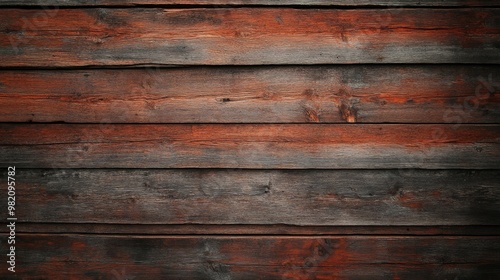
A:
<point x="298" y="197"/>
<point x="81" y="37"/>
<point x="260" y="257"/>
<point x="52" y="4"/>
<point x="250" y="146"/>
<point x="371" y="94"/>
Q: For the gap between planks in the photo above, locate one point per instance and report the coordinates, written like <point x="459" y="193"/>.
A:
<point x="252" y="230"/>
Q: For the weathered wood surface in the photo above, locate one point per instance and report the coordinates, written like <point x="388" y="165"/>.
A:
<point x="293" y="146"/>
<point x="327" y="94"/>
<point x="258" y="257"/>
<point x="130" y="181"/>
<point x="298" y="197"/>
<point x="52" y="4"/>
<point x="247" y="229"/>
<point x="246" y="36"/>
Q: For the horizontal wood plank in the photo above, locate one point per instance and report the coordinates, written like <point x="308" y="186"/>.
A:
<point x="258" y="257"/>
<point x="327" y="94"/>
<point x="305" y="198"/>
<point x="83" y="37"/>
<point x="52" y="4"/>
<point x="250" y="146"/>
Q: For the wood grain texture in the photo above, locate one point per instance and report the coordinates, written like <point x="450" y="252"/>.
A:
<point x="257" y="257"/>
<point x="83" y="37"/>
<point x="327" y="94"/>
<point x="252" y="139"/>
<point x="250" y="146"/>
<point x="254" y="197"/>
<point x="416" y="3"/>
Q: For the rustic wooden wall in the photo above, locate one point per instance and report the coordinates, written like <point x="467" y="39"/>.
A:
<point x="252" y="139"/>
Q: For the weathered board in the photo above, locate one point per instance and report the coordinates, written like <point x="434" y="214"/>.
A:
<point x="293" y="146"/>
<point x="327" y="94"/>
<point x="52" y="4"/>
<point x="257" y="257"/>
<point x="247" y="36"/>
<point x="262" y="197"/>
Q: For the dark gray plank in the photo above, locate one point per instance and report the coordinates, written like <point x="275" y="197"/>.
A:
<point x="299" y="197"/>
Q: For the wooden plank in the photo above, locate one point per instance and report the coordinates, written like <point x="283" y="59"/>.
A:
<point x="259" y="197"/>
<point x="240" y="229"/>
<point x="246" y="36"/>
<point x="250" y="146"/>
<point x="52" y="4"/>
<point x="257" y="257"/>
<point x="327" y="94"/>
